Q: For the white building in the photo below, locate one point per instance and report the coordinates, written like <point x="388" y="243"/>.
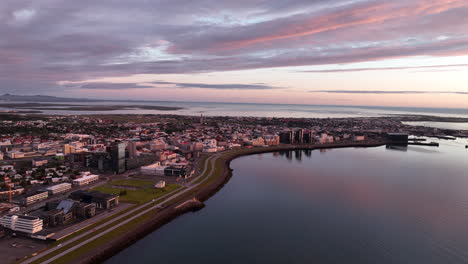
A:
<point x="160" y="185"/>
<point x="59" y="188"/>
<point x="34" y="198"/>
<point x="86" y="179"/>
<point x="22" y="223"/>
<point x="153" y="169"/>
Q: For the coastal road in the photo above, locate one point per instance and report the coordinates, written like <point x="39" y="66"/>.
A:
<point x="127" y="216"/>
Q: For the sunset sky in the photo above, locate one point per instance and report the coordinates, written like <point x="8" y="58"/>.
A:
<point x="339" y="52"/>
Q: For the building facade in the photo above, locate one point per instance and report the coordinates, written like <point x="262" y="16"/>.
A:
<point x="22" y="223"/>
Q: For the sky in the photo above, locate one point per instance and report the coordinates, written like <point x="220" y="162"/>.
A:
<point x="338" y="52"/>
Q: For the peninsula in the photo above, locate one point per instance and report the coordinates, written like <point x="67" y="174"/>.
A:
<point x="90" y="185"/>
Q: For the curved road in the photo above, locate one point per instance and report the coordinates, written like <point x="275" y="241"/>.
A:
<point x="127" y="216"/>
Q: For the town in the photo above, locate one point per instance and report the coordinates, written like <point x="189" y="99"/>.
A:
<point x="63" y="174"/>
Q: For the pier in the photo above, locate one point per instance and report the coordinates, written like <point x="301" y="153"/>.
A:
<point x="430" y="144"/>
<point x="444" y="137"/>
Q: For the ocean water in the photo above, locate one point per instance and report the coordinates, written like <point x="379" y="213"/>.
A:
<point x="442" y="125"/>
<point x="270" y="110"/>
<point x="356" y="205"/>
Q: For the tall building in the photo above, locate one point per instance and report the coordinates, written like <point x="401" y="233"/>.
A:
<point x="132" y="149"/>
<point x="286" y="137"/>
<point x="308" y="138"/>
<point x="299" y="136"/>
<point x="118" y="157"/>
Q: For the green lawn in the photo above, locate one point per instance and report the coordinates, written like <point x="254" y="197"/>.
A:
<point x="102" y="240"/>
<point x="43" y="258"/>
<point x="134" y="183"/>
<point x="138" y="196"/>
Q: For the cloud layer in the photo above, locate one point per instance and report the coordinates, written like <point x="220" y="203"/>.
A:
<point x="126" y="86"/>
<point x="386" y="92"/>
<point x="47" y="42"/>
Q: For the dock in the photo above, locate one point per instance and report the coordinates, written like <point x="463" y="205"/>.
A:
<point x="417" y="139"/>
<point x="444" y="137"/>
<point x="430" y="144"/>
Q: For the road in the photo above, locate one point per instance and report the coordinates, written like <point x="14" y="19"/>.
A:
<point x="129" y="216"/>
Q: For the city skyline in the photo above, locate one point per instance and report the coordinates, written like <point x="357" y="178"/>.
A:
<point x="379" y="53"/>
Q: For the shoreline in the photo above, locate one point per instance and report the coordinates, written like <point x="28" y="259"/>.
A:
<point x="36" y="110"/>
<point x="172" y="211"/>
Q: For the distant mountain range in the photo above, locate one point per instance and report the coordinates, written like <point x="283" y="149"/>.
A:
<point x="42" y="98"/>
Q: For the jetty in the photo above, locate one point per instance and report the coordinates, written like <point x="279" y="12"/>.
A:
<point x="430" y="144"/>
<point x="416" y="139"/>
<point x="444" y="137"/>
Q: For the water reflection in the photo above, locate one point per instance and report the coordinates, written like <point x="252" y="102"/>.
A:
<point x="398" y="147"/>
<point x="372" y="205"/>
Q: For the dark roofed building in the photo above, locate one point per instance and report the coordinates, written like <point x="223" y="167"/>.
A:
<point x="101" y="200"/>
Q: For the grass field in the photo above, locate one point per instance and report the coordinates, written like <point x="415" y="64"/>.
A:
<point x="133" y="183"/>
<point x="102" y="240"/>
<point x="143" y="194"/>
<point x="128" y="225"/>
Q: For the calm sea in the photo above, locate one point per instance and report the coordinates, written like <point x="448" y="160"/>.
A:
<point x="272" y="110"/>
<point x="356" y="205"/>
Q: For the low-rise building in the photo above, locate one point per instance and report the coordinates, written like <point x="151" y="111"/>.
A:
<point x="22" y="223"/>
<point x="359" y="138"/>
<point x="153" y="169"/>
<point x="160" y="185"/>
<point x="59" y="188"/>
<point x="100" y="200"/>
<point x="271" y="140"/>
<point x="33" y="198"/>
<point x="87" y="179"/>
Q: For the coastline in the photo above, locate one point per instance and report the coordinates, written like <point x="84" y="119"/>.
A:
<point x="220" y="174"/>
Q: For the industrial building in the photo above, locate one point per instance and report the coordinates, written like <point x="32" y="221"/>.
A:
<point x="22" y="223"/>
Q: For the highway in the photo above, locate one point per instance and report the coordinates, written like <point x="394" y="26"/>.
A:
<point x="127" y="217"/>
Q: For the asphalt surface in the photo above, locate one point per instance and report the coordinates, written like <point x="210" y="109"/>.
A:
<point x="120" y="220"/>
